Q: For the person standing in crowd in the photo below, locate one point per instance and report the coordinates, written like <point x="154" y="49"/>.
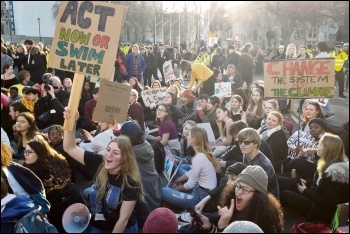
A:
<point x="67" y="84"/>
<point x="161" y="57"/>
<point x="35" y="65"/>
<point x="302" y="54"/>
<point x="14" y="96"/>
<point x="53" y="170"/>
<point x="191" y="187"/>
<point x="89" y="109"/>
<point x="151" y="66"/>
<point x="233" y="57"/>
<point x="246" y="64"/>
<point x="318" y="202"/>
<point x="135" y="64"/>
<point x="19" y="58"/>
<point x="200" y="73"/>
<point x="5" y="59"/>
<point x="340" y="58"/>
<point x="175" y="58"/>
<point x="120" y="72"/>
<point x="117" y="186"/>
<point x="281" y="55"/>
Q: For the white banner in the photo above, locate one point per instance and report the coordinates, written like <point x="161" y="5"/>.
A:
<point x="223" y="89"/>
<point x="305" y="141"/>
<point x="168" y="164"/>
<point x="322" y="102"/>
<point x="153" y="96"/>
<point x="168" y="71"/>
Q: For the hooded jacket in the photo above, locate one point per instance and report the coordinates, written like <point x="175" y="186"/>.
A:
<point x="333" y="189"/>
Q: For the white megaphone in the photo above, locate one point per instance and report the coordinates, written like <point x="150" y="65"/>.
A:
<point x="76" y="218"/>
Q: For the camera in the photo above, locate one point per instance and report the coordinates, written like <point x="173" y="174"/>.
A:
<point x="47" y="80"/>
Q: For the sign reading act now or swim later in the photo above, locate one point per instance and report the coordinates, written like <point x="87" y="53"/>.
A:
<point x="87" y="37"/>
<point x="299" y="78"/>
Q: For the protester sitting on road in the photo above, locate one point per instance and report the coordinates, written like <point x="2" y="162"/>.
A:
<point x="161" y="220"/>
<point x="135" y="111"/>
<point x="53" y="170"/>
<point x="167" y="132"/>
<point x="22" y="181"/>
<point x="188" y="188"/>
<point x="27" y="130"/>
<point x="117" y="175"/>
<point x="274" y="135"/>
<point x="255" y="110"/>
<point x="151" y="182"/>
<point x="175" y="90"/>
<point x="189" y="108"/>
<point x="252" y="203"/>
<point x="189" y="124"/>
<point x="306" y="164"/>
<point x="175" y="111"/>
<point x="224" y="122"/>
<point x="156" y="84"/>
<point x="318" y="202"/>
<point x="311" y="110"/>
<point x="235" y="107"/>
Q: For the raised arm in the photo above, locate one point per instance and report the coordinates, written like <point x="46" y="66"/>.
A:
<point x="69" y="144"/>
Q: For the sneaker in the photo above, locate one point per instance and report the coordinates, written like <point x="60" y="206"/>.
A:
<point x="329" y="116"/>
<point x="185" y="217"/>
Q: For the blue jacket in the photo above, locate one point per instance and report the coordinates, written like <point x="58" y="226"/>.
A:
<point x="130" y="66"/>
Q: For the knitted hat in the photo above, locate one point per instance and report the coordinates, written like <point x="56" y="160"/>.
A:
<point x="161" y="220"/>
<point x="131" y="128"/>
<point x="236" y="168"/>
<point x="254" y="176"/>
<point x="243" y="227"/>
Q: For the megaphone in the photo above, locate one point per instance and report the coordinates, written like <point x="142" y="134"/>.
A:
<point x="76" y="218"/>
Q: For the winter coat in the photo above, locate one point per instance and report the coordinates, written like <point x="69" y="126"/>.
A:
<point x="333" y="189"/>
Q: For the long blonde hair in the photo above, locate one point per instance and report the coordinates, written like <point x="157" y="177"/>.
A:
<point x="333" y="151"/>
<point x="202" y="145"/>
<point x="129" y="169"/>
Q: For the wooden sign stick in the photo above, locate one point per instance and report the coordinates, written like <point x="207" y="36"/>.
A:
<point x="74" y="99"/>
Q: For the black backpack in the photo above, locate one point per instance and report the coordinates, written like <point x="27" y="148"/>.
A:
<point x="159" y="155"/>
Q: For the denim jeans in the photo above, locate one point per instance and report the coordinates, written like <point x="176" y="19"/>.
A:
<point x="184" y="200"/>
<point x="93" y="229"/>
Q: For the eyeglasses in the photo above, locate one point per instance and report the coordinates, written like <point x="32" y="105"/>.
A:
<point x="245" y="189"/>
<point x="160" y="110"/>
<point x="26" y="152"/>
<point x="245" y="142"/>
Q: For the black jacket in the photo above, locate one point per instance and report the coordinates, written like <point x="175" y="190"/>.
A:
<point x="150" y="60"/>
<point x="279" y="147"/>
<point x="162" y="60"/>
<point x="175" y="59"/>
<point x="36" y="68"/>
<point x="233" y="58"/>
<point x="332" y="190"/>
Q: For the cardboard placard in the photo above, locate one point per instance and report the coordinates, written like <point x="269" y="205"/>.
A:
<point x="86" y="38"/>
<point x="312" y="78"/>
<point x="209" y="130"/>
<point x="223" y="89"/>
<point x="107" y="107"/>
<point x="153" y="96"/>
<point x="305" y="141"/>
<point x="323" y="102"/>
<point x="168" y="164"/>
<point x="168" y="71"/>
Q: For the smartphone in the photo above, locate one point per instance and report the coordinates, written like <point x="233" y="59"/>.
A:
<point x="196" y="218"/>
<point x="82" y="134"/>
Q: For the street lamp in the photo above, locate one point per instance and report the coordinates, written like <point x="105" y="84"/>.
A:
<point x="39" y="29"/>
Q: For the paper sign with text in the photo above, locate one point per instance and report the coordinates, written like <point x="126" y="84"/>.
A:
<point x="168" y="164"/>
<point x="223" y="89"/>
<point x="323" y="102"/>
<point x="312" y="78"/>
<point x="86" y="38"/>
<point x="153" y="95"/>
<point x="113" y="102"/>
<point x="305" y="141"/>
<point x="168" y="71"/>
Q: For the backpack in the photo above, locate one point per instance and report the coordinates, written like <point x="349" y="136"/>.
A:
<point x="33" y="222"/>
<point x="159" y="155"/>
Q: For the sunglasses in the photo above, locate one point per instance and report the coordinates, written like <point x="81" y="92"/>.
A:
<point x="245" y="142"/>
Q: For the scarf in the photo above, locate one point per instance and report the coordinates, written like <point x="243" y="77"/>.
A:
<point x="266" y="133"/>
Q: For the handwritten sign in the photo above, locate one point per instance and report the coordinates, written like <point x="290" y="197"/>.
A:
<point x="153" y="96"/>
<point x="223" y="89"/>
<point x="305" y="141"/>
<point x="168" y="71"/>
<point x="168" y="163"/>
<point x="87" y="37"/>
<point x="322" y="102"/>
<point x="299" y="78"/>
<point x="107" y="108"/>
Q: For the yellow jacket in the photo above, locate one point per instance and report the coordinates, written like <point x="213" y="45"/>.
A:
<point x="203" y="59"/>
<point x="199" y="72"/>
<point x="28" y="104"/>
<point x="340" y="59"/>
<point x="310" y="53"/>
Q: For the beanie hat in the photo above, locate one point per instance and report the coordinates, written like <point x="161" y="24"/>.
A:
<point x="236" y="168"/>
<point x="242" y="227"/>
<point x="254" y="176"/>
<point x="131" y="128"/>
<point x="161" y="220"/>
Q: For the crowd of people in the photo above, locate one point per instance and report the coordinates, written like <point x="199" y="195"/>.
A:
<point x="244" y="178"/>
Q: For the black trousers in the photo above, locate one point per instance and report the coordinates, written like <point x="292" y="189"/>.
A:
<point x="296" y="201"/>
<point x="148" y="75"/>
<point x="339" y="76"/>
